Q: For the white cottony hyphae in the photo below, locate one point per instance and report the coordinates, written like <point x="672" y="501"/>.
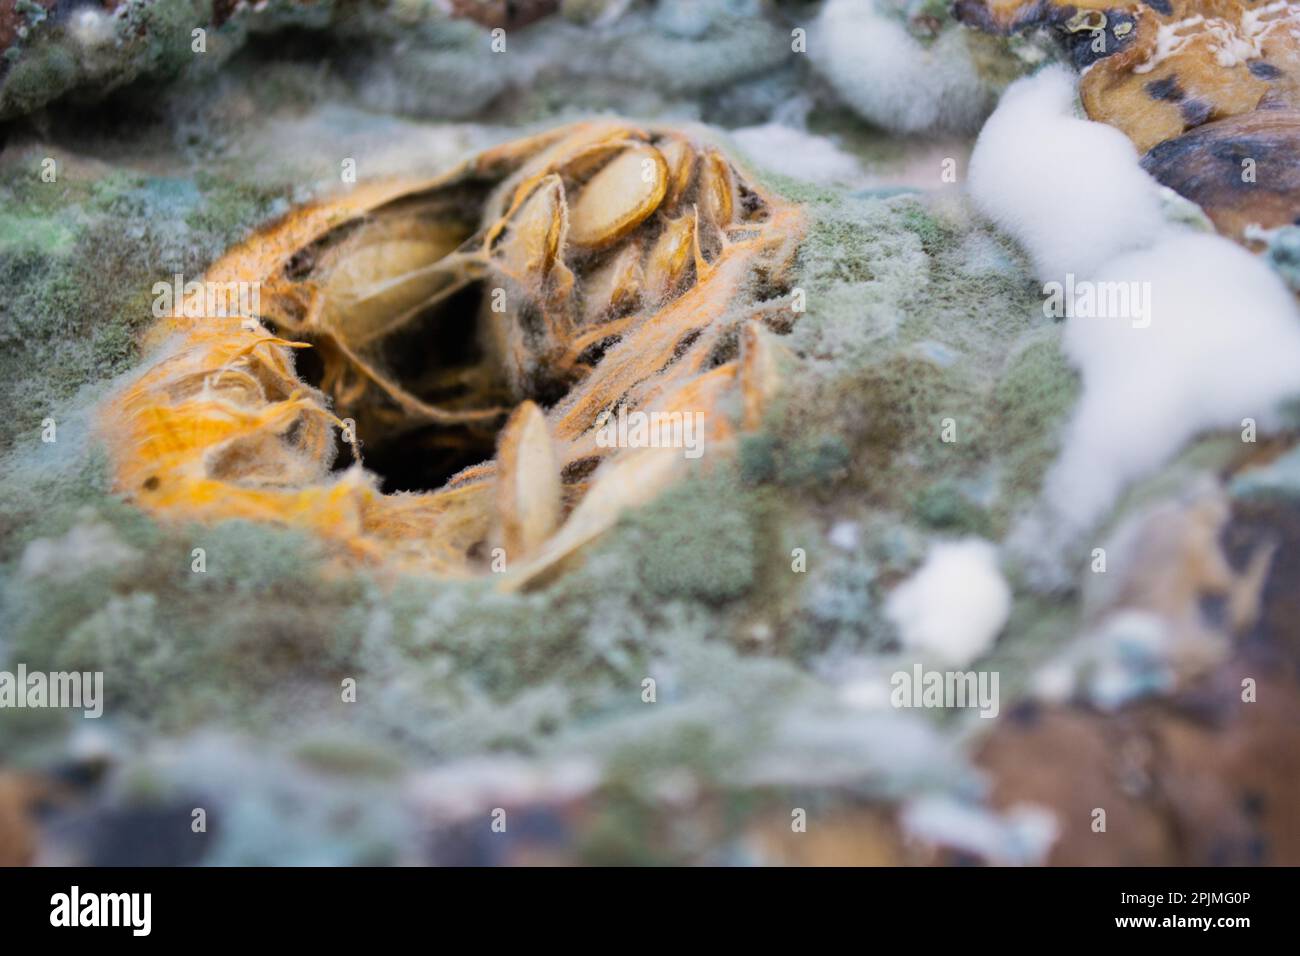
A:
<point x="890" y="78"/>
<point x="954" y="606"/>
<point x="1223" y="344"/>
<point x="1212" y="335"/>
<point x="1069" y="190"/>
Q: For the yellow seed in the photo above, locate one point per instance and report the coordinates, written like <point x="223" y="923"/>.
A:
<point x="528" y="482"/>
<point x="535" y="235"/>
<point x="381" y="275"/>
<point x="619" y="197"/>
<point x="717" y="190"/>
<point x="680" y="158"/>
<point x="671" y="256"/>
<point x="583" y="163"/>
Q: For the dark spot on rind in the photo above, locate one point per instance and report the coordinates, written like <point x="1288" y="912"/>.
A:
<point x="1195" y="112"/>
<point x="151" y="483"/>
<point x="1265" y="71"/>
<point x="1208" y="165"/>
<point x="1082" y="44"/>
<point x="1166" y="89"/>
<point x="1193" y="163"/>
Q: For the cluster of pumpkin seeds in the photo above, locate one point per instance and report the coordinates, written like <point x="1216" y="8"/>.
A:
<point x="542" y="284"/>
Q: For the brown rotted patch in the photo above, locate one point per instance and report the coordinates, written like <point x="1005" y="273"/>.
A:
<point x="1193" y="62"/>
<point x="1242" y="170"/>
<point x="1202" y="777"/>
<point x="1072" y="762"/>
<point x="1089" y="29"/>
<point x="1158" y="68"/>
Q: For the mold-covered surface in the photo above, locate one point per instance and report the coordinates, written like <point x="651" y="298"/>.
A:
<point x="717" y="679"/>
